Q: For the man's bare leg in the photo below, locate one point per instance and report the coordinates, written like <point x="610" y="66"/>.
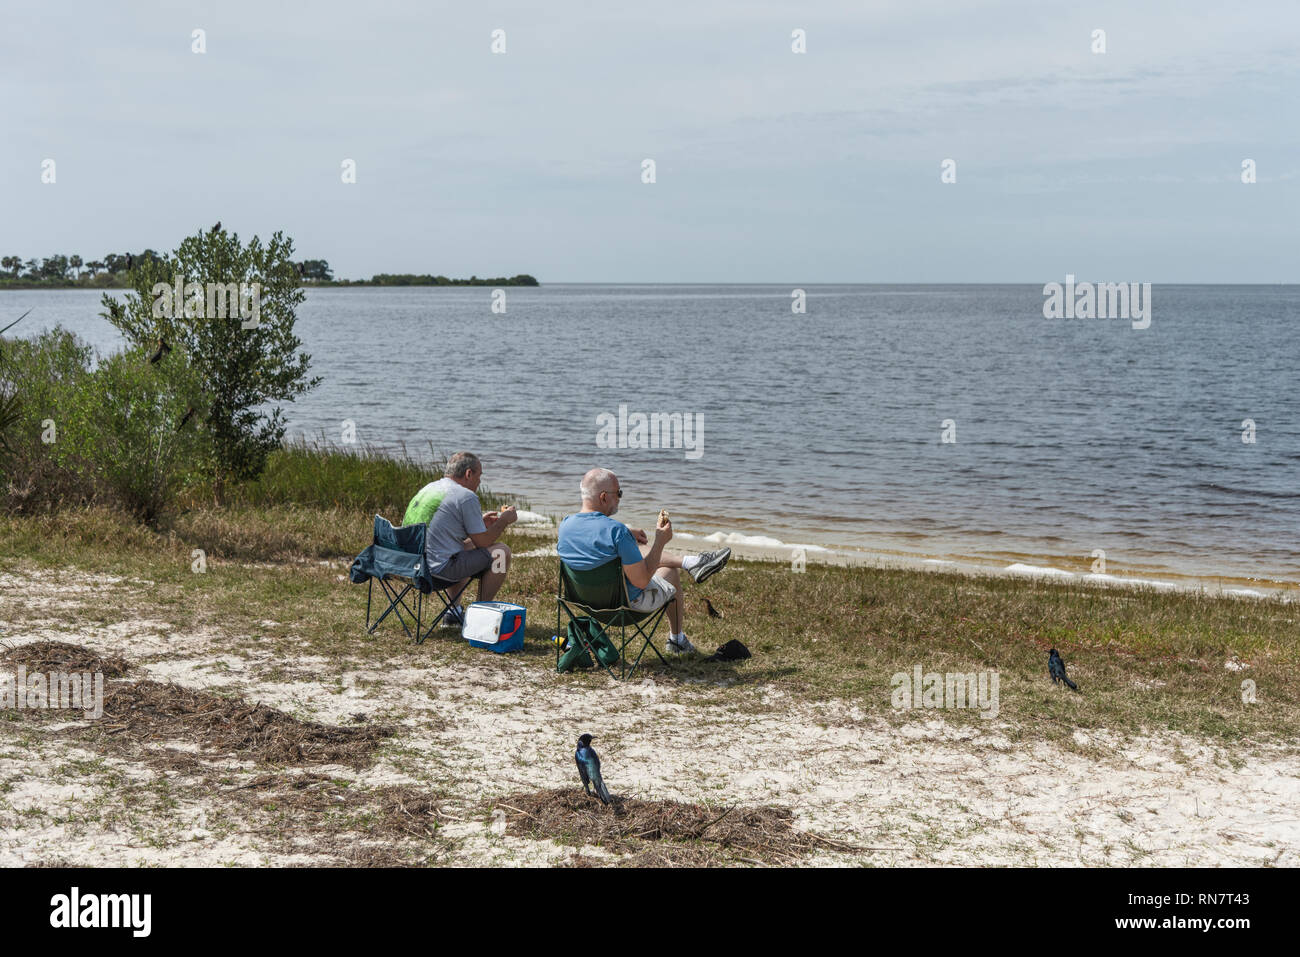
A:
<point x="670" y="574"/>
<point x="495" y="576"/>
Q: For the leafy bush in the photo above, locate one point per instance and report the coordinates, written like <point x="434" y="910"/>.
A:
<point x="37" y="376"/>
<point x="112" y="434"/>
<point x="135" y="428"/>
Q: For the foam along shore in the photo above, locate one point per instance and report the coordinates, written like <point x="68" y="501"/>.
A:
<point x="767" y="548"/>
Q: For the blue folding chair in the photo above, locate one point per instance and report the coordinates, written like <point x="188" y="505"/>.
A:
<point x="396" y="560"/>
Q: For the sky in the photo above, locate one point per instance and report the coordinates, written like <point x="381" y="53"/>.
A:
<point x="770" y="165"/>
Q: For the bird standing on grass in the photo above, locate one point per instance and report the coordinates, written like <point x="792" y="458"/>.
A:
<point x="1056" y="668"/>
<point x="713" y="612"/>
<point x="589" y="769"/>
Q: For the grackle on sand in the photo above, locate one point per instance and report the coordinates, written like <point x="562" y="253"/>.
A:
<point x="589" y="769"/>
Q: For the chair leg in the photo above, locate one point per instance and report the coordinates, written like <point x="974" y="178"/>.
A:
<point x="396" y="604"/>
<point x="646" y="632"/>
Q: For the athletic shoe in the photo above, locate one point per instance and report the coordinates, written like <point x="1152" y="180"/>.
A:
<point x="709" y="563"/>
<point x="454" y="618"/>
<point x="680" y="646"/>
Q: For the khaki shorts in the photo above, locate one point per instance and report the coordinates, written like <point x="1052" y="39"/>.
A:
<point x="656" y="594"/>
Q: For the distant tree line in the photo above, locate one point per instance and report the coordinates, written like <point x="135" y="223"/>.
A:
<point x="111" y="271"/>
<point x="411" y="279"/>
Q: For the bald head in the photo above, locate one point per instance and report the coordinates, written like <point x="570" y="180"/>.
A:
<point x="600" y="491"/>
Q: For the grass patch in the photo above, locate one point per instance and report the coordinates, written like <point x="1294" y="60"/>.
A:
<point x="359" y="478"/>
<point x="1145" y="660"/>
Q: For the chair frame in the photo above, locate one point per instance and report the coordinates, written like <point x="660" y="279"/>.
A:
<point x="397" y="601"/>
<point x="643" y="624"/>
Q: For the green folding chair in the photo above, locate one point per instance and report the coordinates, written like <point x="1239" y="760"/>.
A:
<point x="600" y="596"/>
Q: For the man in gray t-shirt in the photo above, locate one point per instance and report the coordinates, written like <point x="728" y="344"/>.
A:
<point x="461" y="541"/>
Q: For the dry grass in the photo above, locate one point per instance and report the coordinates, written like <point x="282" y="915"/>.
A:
<point x="48" y="656"/>
<point x="662" y="833"/>
<point x="151" y="711"/>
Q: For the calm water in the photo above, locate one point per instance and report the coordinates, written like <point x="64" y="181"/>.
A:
<point x="825" y="428"/>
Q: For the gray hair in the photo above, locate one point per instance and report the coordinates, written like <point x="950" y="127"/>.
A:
<point x="593" y="482"/>
<point x="461" y="463"/>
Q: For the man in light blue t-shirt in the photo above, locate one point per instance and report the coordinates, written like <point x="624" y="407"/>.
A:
<point x="461" y="541"/>
<point x="591" y="538"/>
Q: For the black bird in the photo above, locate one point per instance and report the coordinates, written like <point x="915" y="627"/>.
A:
<point x="158" y="353"/>
<point x="589" y="769"/>
<point x="713" y="612"/>
<point x="1056" y="668"/>
<point x="129" y="260"/>
<point x="189" y="414"/>
<point x="217" y="228"/>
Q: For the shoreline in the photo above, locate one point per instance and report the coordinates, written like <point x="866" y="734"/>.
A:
<point x="1027" y="566"/>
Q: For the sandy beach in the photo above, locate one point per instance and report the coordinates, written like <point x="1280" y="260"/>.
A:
<point x="920" y="791"/>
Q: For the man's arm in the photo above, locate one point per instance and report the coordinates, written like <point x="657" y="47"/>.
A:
<point x="640" y="573"/>
<point x="493" y="531"/>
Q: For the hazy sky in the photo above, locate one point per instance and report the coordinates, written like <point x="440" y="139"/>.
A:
<point x="771" y="166"/>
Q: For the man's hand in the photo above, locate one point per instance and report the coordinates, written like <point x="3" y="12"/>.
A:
<point x="639" y="535"/>
<point x="489" y="518"/>
<point x="663" y="533"/>
<point x="509" y="514"/>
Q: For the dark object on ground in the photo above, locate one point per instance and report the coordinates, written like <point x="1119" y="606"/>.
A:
<point x="589" y="769"/>
<point x="713" y="612"/>
<point x="1056" y="668"/>
<point x="731" y="651"/>
<point x="162" y="350"/>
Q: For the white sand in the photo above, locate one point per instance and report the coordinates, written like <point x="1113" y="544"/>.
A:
<point x="927" y="791"/>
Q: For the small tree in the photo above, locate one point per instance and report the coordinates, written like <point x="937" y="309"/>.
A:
<point x="243" y="362"/>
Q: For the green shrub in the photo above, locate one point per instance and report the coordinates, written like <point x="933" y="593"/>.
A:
<point x="135" y="431"/>
<point x="37" y="378"/>
<point x="110" y="435"/>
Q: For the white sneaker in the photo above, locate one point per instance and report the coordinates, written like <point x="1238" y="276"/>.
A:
<point x="680" y="646"/>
